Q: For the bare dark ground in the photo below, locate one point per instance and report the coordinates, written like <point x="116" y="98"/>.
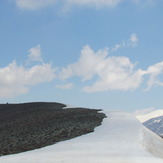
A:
<point x="29" y="126"/>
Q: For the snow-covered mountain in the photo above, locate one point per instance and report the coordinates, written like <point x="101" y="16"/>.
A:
<point x="120" y="139"/>
<point x="145" y="117"/>
<point x="153" y="121"/>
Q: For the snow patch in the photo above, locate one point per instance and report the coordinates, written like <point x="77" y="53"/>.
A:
<point x="157" y="121"/>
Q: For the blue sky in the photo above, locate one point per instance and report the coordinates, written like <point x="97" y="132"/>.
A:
<point x="101" y="54"/>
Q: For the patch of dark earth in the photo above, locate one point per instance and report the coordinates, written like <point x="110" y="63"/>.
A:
<point x="29" y="126"/>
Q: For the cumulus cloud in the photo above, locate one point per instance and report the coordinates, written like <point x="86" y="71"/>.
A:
<point x="154" y="71"/>
<point x="98" y="71"/>
<point x="132" y="42"/>
<point x="36" y="4"/>
<point x="109" y="72"/>
<point x="116" y="77"/>
<point x="65" y="86"/>
<point x="88" y="64"/>
<point x="35" y="54"/>
<point x="16" y="79"/>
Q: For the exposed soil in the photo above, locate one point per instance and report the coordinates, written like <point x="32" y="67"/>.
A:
<point x="29" y="126"/>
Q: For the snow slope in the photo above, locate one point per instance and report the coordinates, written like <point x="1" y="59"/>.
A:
<point x="145" y="117"/>
<point x="120" y="139"/>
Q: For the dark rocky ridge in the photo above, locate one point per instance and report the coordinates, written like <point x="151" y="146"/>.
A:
<point x="29" y="126"/>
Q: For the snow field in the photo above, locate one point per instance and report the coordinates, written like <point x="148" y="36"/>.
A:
<point x="120" y="139"/>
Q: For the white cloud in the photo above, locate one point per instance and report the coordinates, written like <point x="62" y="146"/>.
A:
<point x="145" y="1"/>
<point x="102" y="71"/>
<point x="118" y="79"/>
<point x="15" y="79"/>
<point x="109" y="72"/>
<point x="154" y="71"/>
<point x="132" y="42"/>
<point x="65" y="86"/>
<point x="87" y="66"/>
<point x="36" y="4"/>
<point x="33" y="4"/>
<point x="35" y="54"/>
<point x="112" y="73"/>
<point x="96" y="3"/>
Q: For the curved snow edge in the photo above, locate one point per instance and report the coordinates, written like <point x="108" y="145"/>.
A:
<point x="151" y="142"/>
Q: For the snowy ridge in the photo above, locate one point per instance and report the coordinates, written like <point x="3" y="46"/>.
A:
<point x="153" y="114"/>
<point x="155" y="125"/>
<point x="120" y="139"/>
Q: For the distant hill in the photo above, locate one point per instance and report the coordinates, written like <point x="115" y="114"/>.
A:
<point x="153" y="121"/>
<point x="29" y="126"/>
<point x="156" y="125"/>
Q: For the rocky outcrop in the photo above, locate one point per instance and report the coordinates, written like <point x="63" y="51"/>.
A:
<point x="29" y="126"/>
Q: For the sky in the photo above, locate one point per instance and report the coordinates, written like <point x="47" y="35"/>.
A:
<point x="105" y="54"/>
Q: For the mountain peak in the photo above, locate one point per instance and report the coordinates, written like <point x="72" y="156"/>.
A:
<point x="145" y="117"/>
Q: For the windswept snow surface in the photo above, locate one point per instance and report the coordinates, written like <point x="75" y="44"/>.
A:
<point x="120" y="139"/>
<point x="145" y="117"/>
